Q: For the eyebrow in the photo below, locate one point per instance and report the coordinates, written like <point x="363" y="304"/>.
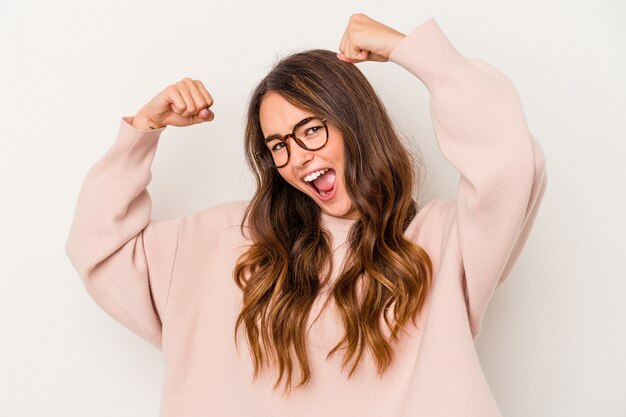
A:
<point x="274" y="136"/>
<point x="279" y="136"/>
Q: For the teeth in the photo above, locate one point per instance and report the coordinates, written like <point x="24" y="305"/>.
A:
<point x="314" y="175"/>
<point x="322" y="193"/>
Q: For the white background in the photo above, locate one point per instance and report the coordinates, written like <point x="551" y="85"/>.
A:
<point x="553" y="341"/>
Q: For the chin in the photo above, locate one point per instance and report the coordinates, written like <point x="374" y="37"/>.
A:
<point x="342" y="210"/>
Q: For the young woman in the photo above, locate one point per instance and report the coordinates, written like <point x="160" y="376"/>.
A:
<point x="355" y="299"/>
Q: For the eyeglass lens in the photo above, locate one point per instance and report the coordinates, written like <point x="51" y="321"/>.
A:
<point x="313" y="135"/>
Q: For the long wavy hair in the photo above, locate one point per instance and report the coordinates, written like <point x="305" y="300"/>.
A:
<point x="282" y="271"/>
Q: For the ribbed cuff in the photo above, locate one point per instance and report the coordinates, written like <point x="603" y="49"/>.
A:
<point x="129" y="137"/>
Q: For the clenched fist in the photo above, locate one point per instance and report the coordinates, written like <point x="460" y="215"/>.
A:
<point x="366" y="39"/>
<point x="184" y="103"/>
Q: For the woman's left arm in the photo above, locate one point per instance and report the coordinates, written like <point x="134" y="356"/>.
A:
<point x="482" y="131"/>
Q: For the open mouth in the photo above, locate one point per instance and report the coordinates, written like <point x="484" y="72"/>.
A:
<point x="323" y="183"/>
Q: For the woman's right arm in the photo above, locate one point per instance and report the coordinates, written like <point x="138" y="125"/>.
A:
<point x="124" y="257"/>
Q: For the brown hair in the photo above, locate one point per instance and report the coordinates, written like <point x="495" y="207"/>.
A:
<point x="279" y="274"/>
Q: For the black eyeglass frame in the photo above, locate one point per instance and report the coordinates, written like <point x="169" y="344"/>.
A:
<point x="266" y="156"/>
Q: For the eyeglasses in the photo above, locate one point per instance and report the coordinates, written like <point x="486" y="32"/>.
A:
<point x="310" y="134"/>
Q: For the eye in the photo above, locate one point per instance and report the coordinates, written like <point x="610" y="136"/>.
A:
<point x="314" y="127"/>
<point x="277" y="147"/>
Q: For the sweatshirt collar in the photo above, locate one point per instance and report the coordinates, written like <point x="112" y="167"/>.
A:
<point x="337" y="223"/>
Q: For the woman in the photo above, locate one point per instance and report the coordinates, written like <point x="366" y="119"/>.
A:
<point x="331" y="253"/>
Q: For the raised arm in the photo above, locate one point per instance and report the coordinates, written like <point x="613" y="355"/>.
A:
<point x="481" y="130"/>
<point x="123" y="256"/>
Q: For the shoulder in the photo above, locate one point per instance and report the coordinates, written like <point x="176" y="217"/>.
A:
<point x="431" y="224"/>
<point x="432" y="216"/>
<point x="216" y="218"/>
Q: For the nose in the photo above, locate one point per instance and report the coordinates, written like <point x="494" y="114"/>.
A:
<point x="299" y="156"/>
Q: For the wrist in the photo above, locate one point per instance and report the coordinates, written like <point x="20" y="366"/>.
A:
<point x="395" y="40"/>
<point x="142" y="122"/>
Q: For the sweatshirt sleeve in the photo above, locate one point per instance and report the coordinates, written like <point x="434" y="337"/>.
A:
<point x="481" y="130"/>
<point x="124" y="257"/>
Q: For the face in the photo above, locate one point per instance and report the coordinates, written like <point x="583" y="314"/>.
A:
<point x="278" y="116"/>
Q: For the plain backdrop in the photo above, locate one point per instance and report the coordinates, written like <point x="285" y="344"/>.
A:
<point x="553" y="341"/>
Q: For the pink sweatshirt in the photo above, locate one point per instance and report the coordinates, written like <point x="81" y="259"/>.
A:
<point x="171" y="281"/>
